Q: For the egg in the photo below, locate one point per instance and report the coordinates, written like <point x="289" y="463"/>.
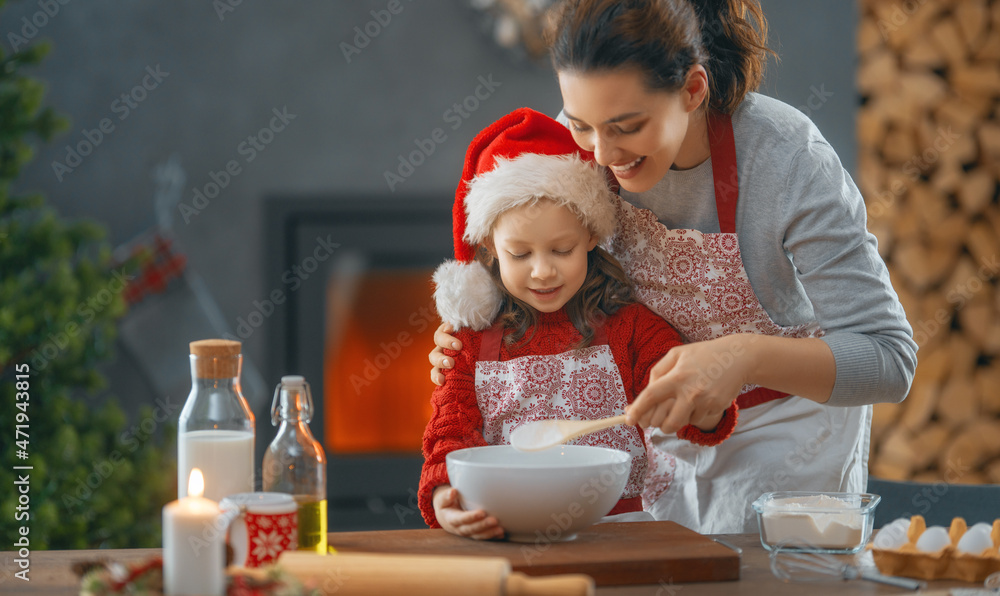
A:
<point x="933" y="539"/>
<point x="893" y="535"/>
<point x="976" y="539"/>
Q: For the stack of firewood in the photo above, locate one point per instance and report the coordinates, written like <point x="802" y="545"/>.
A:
<point x="929" y="166"/>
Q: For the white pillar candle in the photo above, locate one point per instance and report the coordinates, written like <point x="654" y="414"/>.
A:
<point x="194" y="552"/>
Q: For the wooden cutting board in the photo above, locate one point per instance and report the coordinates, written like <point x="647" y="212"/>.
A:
<point x="612" y="553"/>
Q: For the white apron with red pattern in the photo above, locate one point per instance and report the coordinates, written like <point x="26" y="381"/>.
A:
<point x="697" y="282"/>
<point x="575" y="385"/>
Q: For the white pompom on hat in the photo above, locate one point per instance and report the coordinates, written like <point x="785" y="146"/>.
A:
<point x="523" y="157"/>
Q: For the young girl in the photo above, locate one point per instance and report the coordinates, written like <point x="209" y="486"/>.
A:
<point x="549" y="326"/>
<point x="739" y="225"/>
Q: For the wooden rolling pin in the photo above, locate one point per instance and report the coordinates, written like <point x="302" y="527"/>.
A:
<point x="357" y="574"/>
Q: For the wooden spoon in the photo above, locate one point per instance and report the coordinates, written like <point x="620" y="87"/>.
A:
<point x="542" y="434"/>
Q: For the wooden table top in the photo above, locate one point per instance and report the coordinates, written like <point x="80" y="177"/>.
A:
<point x="50" y="573"/>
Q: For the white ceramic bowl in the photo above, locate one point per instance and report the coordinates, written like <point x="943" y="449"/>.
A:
<point x="541" y="496"/>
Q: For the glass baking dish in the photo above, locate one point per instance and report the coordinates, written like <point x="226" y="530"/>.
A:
<point x="826" y="522"/>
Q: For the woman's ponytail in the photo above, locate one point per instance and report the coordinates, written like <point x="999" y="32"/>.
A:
<point x="664" y="39"/>
<point x="734" y="35"/>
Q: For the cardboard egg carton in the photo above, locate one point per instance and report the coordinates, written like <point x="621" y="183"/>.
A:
<point x="947" y="563"/>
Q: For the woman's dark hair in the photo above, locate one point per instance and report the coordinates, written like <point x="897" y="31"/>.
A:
<point x="664" y="39"/>
<point x="605" y="289"/>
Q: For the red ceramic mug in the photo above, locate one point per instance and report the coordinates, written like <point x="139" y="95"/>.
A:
<point x="261" y="526"/>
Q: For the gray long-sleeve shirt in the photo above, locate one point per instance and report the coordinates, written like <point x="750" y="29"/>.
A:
<point x="801" y="226"/>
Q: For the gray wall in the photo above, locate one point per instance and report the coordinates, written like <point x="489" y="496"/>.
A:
<point x="352" y="119"/>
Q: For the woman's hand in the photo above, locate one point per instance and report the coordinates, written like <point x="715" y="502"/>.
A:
<point x="693" y="384"/>
<point x="471" y="524"/>
<point x="709" y="422"/>
<point x="437" y="357"/>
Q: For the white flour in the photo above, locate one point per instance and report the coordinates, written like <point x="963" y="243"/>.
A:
<point x="791" y="519"/>
<point x="536" y="435"/>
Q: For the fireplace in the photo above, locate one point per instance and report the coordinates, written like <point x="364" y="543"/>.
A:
<point x="358" y="322"/>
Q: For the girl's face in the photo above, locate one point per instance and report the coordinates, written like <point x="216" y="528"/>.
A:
<point x="542" y="252"/>
<point x="639" y="134"/>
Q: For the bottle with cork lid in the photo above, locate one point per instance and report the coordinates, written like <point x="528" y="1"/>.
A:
<point x="215" y="432"/>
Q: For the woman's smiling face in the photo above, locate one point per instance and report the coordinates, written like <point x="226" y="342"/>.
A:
<point x="638" y="133"/>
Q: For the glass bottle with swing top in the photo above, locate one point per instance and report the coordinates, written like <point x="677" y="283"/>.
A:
<point x="294" y="462"/>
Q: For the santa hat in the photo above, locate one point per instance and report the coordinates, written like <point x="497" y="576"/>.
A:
<point x="523" y="157"/>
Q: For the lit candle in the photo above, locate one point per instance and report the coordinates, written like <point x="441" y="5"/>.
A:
<point x="194" y="553"/>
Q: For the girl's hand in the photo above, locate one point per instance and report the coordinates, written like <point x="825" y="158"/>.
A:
<point x="693" y="384"/>
<point x="438" y="360"/>
<point x="472" y="524"/>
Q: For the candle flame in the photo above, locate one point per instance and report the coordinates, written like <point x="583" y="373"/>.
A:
<point x="196" y="483"/>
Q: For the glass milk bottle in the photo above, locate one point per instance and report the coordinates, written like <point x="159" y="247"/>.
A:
<point x="216" y="428"/>
<point x="294" y="463"/>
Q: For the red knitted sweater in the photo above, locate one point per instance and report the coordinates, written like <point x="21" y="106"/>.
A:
<point x="637" y="337"/>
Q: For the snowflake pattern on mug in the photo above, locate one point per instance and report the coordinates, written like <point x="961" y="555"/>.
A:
<point x="575" y="385"/>
<point x="270" y="535"/>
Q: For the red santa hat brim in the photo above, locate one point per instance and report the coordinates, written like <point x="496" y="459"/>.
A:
<point x="568" y="180"/>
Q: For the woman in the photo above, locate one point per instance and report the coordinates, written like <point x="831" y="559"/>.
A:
<point x="741" y="228"/>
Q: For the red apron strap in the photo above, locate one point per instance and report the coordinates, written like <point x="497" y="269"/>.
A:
<point x="489" y="350"/>
<point x="725" y="178"/>
<point x="600" y="336"/>
<point x="724" y="172"/>
<point x="760" y="395"/>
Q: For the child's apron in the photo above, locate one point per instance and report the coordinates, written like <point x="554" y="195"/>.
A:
<point x="697" y="282"/>
<point x="575" y="385"/>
